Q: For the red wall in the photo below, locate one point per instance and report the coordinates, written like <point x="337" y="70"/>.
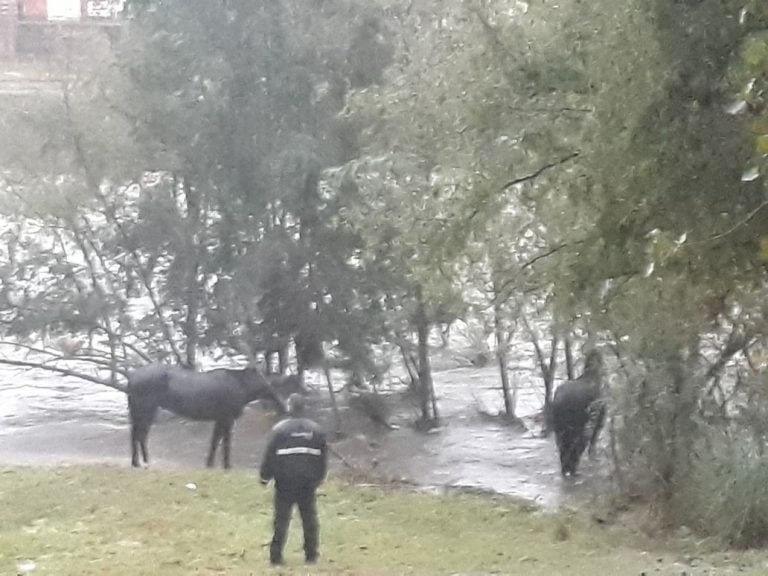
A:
<point x="34" y="10"/>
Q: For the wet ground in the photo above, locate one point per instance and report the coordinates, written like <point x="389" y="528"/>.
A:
<point x="46" y="419"/>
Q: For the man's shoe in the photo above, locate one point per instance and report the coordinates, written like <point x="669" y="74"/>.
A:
<point x="311" y="559"/>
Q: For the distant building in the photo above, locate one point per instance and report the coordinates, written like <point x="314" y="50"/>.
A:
<point x="9" y="22"/>
<point x="29" y="27"/>
<point x="68" y="9"/>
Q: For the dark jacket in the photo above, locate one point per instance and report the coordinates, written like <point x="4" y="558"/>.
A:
<point x="296" y="456"/>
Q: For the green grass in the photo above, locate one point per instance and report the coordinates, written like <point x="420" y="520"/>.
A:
<point x="101" y="520"/>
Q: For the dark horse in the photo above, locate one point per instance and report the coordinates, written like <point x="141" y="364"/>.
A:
<point x="219" y="395"/>
<point x="578" y="414"/>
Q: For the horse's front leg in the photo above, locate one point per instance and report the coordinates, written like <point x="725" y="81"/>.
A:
<point x="227" y="440"/>
<point x="143" y="446"/>
<point x="217" y="434"/>
<point x="135" y="446"/>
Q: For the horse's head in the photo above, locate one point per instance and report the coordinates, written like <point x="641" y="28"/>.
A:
<point x="593" y="365"/>
<point x="288" y="384"/>
<point x="284" y="386"/>
<point x="274" y="388"/>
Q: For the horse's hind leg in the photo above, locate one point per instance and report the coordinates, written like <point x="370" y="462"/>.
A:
<point x="227" y="441"/>
<point x="563" y="450"/>
<point x="218" y="432"/>
<point x="134" y="411"/>
<point x="134" y="446"/>
<point x="142" y="413"/>
<point x="139" y="433"/>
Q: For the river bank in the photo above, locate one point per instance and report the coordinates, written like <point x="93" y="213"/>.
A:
<point x="89" y="520"/>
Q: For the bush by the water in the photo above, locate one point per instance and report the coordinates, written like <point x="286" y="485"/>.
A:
<point x="728" y="496"/>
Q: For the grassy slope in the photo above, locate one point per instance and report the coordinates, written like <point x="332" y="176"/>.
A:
<point x="99" y="520"/>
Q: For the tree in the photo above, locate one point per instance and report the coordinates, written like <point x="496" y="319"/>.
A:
<point x="668" y="270"/>
<point x="453" y="174"/>
<point x="210" y="205"/>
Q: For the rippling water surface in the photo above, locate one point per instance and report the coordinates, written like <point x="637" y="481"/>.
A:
<point x="45" y="419"/>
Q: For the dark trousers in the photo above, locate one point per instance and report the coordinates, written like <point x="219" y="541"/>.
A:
<point x="304" y="498"/>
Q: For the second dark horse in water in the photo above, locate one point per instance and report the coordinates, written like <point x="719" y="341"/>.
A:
<point x="578" y="414"/>
<point x="218" y="395"/>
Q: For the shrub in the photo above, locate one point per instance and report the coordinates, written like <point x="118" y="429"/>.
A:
<point x="727" y="496"/>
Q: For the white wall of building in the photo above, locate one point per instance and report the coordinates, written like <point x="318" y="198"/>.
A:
<point x="64" y="9"/>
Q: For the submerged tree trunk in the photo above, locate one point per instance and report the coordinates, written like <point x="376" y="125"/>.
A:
<point x="427" y="399"/>
<point x="510" y="396"/>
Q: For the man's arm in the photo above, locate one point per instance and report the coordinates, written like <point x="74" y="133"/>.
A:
<point x="267" y="470"/>
<point x="323" y="458"/>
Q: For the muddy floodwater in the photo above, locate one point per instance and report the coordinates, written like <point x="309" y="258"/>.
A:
<point x="47" y="419"/>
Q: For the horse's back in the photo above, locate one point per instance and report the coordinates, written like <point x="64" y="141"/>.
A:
<point x="571" y="403"/>
<point x="204" y="395"/>
<point x="211" y="381"/>
<point x="147" y="379"/>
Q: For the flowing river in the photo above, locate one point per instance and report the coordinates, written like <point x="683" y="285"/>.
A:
<point x="46" y="419"/>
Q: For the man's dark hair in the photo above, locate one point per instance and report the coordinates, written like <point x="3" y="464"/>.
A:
<point x="296" y="404"/>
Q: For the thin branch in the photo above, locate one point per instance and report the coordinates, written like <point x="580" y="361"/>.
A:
<point x="110" y="213"/>
<point x="503" y="293"/>
<point x="737" y="341"/>
<point x="739" y="224"/>
<point x="536" y="345"/>
<point x="93" y="183"/>
<point x="27" y="347"/>
<point x="65" y="372"/>
<point x="90" y="357"/>
<point x="548" y="253"/>
<point x="540" y="171"/>
<point x="140" y="353"/>
<point x="497" y="44"/>
<point x="554" y="110"/>
<point x="529" y="177"/>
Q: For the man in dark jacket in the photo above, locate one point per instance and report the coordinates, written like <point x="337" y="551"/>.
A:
<point x="296" y="457"/>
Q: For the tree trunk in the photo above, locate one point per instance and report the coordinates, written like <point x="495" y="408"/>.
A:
<point x="676" y="456"/>
<point x="191" y="294"/>
<point x="551" y="368"/>
<point x="282" y="359"/>
<point x="549" y="384"/>
<point x="569" y="365"/>
<point x="548" y="368"/>
<point x="410" y="366"/>
<point x="332" y="396"/>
